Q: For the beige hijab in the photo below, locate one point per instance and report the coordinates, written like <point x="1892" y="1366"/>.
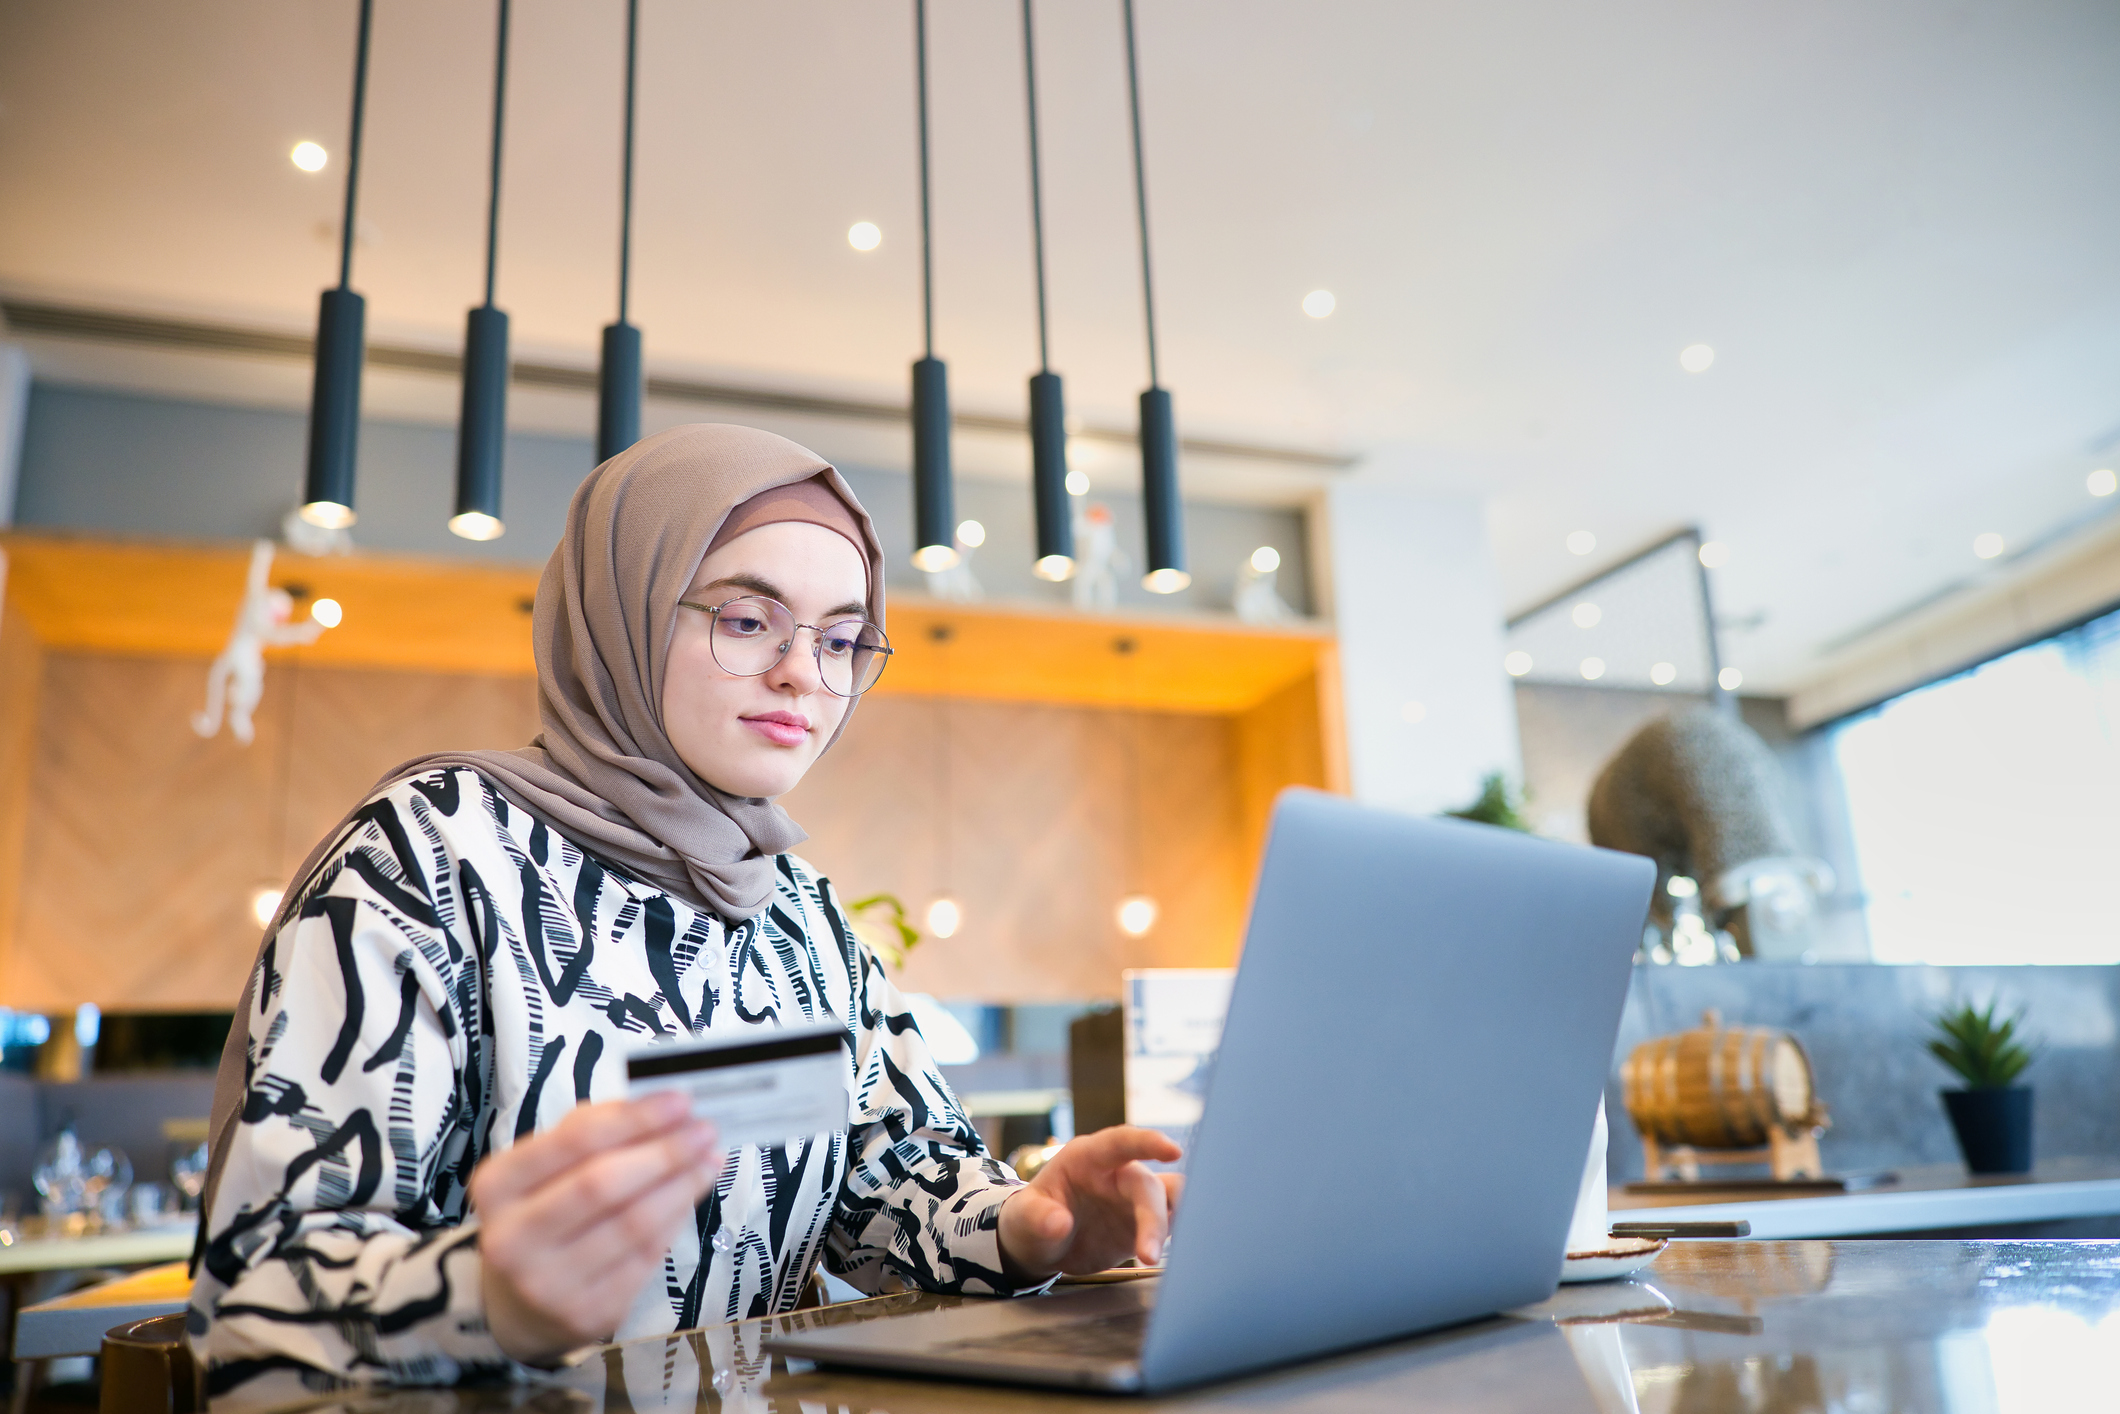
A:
<point x="603" y="772"/>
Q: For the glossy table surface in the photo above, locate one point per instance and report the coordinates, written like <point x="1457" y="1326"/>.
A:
<point x="1767" y="1326"/>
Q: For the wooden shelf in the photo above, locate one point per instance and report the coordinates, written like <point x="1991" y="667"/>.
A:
<point x="165" y="600"/>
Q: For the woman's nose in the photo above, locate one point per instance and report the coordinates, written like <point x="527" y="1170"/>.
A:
<point x="796" y="671"/>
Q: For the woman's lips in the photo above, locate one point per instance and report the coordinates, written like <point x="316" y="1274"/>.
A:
<point x="780" y="728"/>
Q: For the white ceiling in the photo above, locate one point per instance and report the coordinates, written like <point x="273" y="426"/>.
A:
<point x="1898" y="224"/>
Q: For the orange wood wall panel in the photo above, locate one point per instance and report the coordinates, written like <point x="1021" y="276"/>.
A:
<point x="21" y="676"/>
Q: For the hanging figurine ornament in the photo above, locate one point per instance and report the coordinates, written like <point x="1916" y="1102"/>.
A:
<point x="619" y="378"/>
<point x="1159" y="434"/>
<point x="236" y="680"/>
<point x="341" y="348"/>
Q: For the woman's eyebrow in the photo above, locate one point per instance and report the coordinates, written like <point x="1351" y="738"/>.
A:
<point x="745" y="581"/>
<point x="853" y="607"/>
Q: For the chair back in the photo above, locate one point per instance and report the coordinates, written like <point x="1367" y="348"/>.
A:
<point x="147" y="1367"/>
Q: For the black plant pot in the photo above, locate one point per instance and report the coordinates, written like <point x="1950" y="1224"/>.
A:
<point x="1994" y="1128"/>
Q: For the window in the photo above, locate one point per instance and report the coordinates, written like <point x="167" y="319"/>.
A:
<point x="1986" y="808"/>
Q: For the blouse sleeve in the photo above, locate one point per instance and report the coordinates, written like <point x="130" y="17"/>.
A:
<point x="338" y="1247"/>
<point x="920" y="1204"/>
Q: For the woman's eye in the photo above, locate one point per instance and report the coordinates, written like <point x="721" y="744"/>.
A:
<point x="838" y="643"/>
<point x="744" y="625"/>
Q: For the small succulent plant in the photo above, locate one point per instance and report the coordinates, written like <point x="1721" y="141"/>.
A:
<point x="1982" y="1051"/>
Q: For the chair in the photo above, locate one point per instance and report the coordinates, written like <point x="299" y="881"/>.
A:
<point x="147" y="1366"/>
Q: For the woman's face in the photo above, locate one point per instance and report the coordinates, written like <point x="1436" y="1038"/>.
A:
<point x="755" y="736"/>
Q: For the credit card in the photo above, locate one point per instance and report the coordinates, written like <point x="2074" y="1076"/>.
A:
<point x="769" y="1088"/>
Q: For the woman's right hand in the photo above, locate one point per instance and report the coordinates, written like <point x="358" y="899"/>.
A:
<point x="574" y="1220"/>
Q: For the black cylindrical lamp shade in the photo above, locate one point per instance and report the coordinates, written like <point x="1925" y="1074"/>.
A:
<point x="482" y="430"/>
<point x="1159" y="496"/>
<point x="618" y="405"/>
<point x="1056" y="525"/>
<point x="934" y="503"/>
<point x="335" y="410"/>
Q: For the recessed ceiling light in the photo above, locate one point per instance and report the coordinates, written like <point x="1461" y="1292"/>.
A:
<point x="971" y="533"/>
<point x="1266" y="559"/>
<point x="1587" y="614"/>
<point x="1714" y="554"/>
<point x="1987" y="546"/>
<point x="1592" y="669"/>
<point x="944" y="917"/>
<point x="1078" y="483"/>
<point x="327" y="612"/>
<point x="264" y="905"/>
<point x="1517" y="664"/>
<point x="1137" y="914"/>
<point x="863" y="235"/>
<point x="1729" y="679"/>
<point x="1581" y="542"/>
<point x="2102" y="482"/>
<point x="309" y="157"/>
<point x="1319" y="303"/>
<point x="1695" y="358"/>
<point x="1663" y="674"/>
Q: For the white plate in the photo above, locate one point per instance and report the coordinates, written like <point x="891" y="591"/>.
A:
<point x="1619" y="1257"/>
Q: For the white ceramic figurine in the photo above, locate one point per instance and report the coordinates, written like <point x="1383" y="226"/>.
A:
<point x="237" y="677"/>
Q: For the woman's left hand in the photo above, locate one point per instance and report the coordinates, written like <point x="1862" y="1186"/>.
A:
<point x="1094" y="1204"/>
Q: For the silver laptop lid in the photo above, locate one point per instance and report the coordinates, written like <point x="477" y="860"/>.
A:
<point x="1409" y="1072"/>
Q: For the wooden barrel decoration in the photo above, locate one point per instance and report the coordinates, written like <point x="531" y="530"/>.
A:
<point x="1718" y="1087"/>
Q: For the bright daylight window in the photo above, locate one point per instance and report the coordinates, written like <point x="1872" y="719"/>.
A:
<point x="1986" y="808"/>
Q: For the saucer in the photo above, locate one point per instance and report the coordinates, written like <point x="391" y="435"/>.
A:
<point x="1618" y="1257"/>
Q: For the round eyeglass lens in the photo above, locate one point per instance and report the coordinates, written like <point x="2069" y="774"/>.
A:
<point x="751" y="635"/>
<point x="851" y="655"/>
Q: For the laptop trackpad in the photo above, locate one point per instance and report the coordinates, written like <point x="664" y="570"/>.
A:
<point x="1109" y="1318"/>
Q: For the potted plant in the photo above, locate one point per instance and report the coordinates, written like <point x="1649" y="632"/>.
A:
<point x="1992" y="1114"/>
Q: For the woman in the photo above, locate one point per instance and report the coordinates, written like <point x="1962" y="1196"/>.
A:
<point x="423" y="1168"/>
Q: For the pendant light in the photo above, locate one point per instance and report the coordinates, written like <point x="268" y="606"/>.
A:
<point x="934" y="511"/>
<point x="618" y="399"/>
<point x="482" y="429"/>
<point x="1159" y="433"/>
<point x="335" y="400"/>
<point x="1049" y="501"/>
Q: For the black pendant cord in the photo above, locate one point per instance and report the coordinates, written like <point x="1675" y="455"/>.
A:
<point x="353" y="143"/>
<point x="1054" y="559"/>
<point x="927" y="239"/>
<point x="1161" y="506"/>
<point x="619" y="378"/>
<point x="625" y="205"/>
<point x="1030" y="92"/>
<point x="482" y="426"/>
<point x="1133" y="95"/>
<point x="341" y="341"/>
<point x="493" y="186"/>
<point x="934" y="499"/>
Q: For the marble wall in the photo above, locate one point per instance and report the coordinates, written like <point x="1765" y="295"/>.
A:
<point x="1864" y="1026"/>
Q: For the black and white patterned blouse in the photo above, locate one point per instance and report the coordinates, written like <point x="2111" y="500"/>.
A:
<point x="458" y="976"/>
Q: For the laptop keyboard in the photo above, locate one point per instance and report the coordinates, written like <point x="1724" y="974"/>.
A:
<point x="1113" y="1337"/>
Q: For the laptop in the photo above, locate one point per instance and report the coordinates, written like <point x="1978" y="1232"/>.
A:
<point x="1395" y="1125"/>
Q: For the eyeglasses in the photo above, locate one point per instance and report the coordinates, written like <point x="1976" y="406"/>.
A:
<point x="752" y="634"/>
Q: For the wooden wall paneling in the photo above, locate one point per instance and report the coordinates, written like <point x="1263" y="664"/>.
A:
<point x="1278" y="744"/>
<point x="144" y="841"/>
<point x="353" y="724"/>
<point x="1038" y="835"/>
<point x="21" y="680"/>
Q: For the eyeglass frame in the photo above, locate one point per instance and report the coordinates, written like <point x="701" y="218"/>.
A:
<point x="816" y="642"/>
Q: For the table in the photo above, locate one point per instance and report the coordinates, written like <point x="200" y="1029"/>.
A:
<point x="1754" y="1326"/>
<point x="133" y="1248"/>
<point x="73" y="1324"/>
<point x="1922" y="1199"/>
